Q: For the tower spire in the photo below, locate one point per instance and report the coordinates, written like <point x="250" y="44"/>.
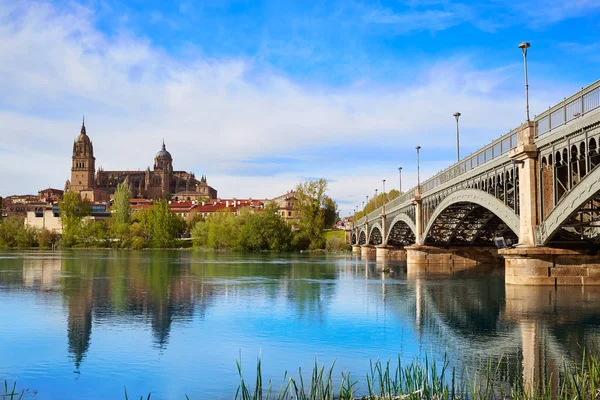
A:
<point x="83" y="126"/>
<point x="163" y="146"/>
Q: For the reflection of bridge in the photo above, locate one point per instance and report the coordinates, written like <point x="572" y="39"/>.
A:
<point x="537" y="184"/>
<point x="533" y="331"/>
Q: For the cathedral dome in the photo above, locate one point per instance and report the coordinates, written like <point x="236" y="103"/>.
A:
<point x="163" y="154"/>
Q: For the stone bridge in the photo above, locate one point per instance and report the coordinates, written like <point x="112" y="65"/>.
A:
<point x="538" y="186"/>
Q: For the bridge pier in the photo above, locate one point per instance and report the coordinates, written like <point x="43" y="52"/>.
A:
<point x="451" y="256"/>
<point x="390" y="252"/>
<point x="368" y="250"/>
<point x="356" y="248"/>
<point x="550" y="266"/>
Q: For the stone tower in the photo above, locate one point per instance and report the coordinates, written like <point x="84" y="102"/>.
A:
<point x="163" y="167"/>
<point x="84" y="163"/>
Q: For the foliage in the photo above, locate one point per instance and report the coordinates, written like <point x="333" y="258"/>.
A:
<point x="265" y="230"/>
<point x="310" y="205"/>
<point x="14" y="233"/>
<point x="335" y="241"/>
<point x="72" y="210"/>
<point x="121" y="209"/>
<point x="220" y="231"/>
<point x="376" y="202"/>
<point x="164" y="226"/>
<point x="45" y="238"/>
<point x="332" y="214"/>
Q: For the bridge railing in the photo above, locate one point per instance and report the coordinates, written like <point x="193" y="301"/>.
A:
<point x="586" y="100"/>
<point x="493" y="150"/>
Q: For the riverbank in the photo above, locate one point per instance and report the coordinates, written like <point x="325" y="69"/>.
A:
<point x="416" y="380"/>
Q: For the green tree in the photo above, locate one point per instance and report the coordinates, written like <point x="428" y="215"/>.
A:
<point x="165" y="227"/>
<point x="310" y="203"/>
<point x="265" y="230"/>
<point x="121" y="209"/>
<point x="331" y="212"/>
<point x="72" y="210"/>
<point x="14" y="233"/>
<point x="223" y="230"/>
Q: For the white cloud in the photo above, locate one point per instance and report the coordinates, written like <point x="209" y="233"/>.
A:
<point x="216" y="114"/>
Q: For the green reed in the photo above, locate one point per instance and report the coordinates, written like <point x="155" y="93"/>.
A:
<point x="417" y="380"/>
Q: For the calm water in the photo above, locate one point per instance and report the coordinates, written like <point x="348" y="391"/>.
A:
<point x="83" y="324"/>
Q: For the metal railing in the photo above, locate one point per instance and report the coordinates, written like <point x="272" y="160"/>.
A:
<point x="573" y="107"/>
<point x="584" y="101"/>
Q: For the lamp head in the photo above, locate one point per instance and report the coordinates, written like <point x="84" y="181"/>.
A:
<point x="418" y="148"/>
<point x="524" y="46"/>
<point x="456" y="115"/>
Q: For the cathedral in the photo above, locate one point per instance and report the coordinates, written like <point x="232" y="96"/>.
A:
<point x="160" y="182"/>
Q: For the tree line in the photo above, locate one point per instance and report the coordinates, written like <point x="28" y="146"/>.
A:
<point x="157" y="227"/>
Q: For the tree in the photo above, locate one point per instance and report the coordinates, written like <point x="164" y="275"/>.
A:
<point x="310" y="203"/>
<point x="165" y="227"/>
<point x="331" y="212"/>
<point x="14" y="233"/>
<point x="72" y="210"/>
<point x="265" y="230"/>
<point x="121" y="212"/>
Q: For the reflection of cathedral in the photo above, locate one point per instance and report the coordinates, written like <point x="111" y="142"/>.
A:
<point x="162" y="181"/>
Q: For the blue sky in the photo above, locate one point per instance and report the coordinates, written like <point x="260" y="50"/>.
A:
<point x="259" y="95"/>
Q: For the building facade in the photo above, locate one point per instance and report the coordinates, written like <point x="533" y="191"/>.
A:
<point x="160" y="182"/>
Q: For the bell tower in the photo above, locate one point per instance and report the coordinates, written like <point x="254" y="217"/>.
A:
<point x="84" y="164"/>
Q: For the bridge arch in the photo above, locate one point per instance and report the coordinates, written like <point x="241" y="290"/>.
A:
<point x="568" y="206"/>
<point x="362" y="237"/>
<point x="462" y="206"/>
<point x="375" y="234"/>
<point x="401" y="230"/>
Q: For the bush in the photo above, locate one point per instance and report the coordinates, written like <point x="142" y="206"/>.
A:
<point x="14" y="233"/>
<point x="335" y="244"/>
<point x="45" y="238"/>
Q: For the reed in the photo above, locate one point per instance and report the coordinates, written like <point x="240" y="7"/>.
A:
<point x="418" y="380"/>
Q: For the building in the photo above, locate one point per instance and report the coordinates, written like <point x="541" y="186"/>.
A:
<point x="285" y="202"/>
<point x="43" y="215"/>
<point x="160" y="182"/>
<point x="188" y="209"/>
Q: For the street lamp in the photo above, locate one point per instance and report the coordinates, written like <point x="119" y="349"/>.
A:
<point x="400" y="178"/>
<point x="376" y="199"/>
<point x="524" y="46"/>
<point x="457" y="115"/>
<point x="384" y="199"/>
<point x="418" y="167"/>
<point x="366" y="209"/>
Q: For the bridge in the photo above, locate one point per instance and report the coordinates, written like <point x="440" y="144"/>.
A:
<point x="537" y="185"/>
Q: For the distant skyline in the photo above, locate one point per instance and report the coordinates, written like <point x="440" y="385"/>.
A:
<point x="260" y="95"/>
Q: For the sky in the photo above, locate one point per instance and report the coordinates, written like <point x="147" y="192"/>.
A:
<point x="261" y="95"/>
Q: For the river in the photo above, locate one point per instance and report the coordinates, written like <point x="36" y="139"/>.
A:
<point x="85" y="324"/>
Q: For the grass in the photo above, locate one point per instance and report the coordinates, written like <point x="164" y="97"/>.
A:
<point x="418" y="380"/>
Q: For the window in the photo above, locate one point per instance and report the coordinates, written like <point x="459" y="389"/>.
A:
<point x="289" y="213"/>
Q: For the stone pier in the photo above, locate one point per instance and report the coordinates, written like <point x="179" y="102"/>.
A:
<point x="549" y="266"/>
<point x="368" y="250"/>
<point x="451" y="256"/>
<point x="356" y="248"/>
<point x="391" y="252"/>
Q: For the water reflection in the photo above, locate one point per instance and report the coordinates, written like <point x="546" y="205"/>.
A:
<point x="200" y="309"/>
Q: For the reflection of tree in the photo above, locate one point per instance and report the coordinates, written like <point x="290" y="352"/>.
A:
<point x="78" y="290"/>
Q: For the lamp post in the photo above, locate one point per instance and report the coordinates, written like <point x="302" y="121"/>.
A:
<point x="367" y="208"/>
<point x="418" y="167"/>
<point x="384" y="199"/>
<point x="524" y="46"/>
<point x="376" y="199"/>
<point x="400" y="177"/>
<point x="457" y="115"/>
